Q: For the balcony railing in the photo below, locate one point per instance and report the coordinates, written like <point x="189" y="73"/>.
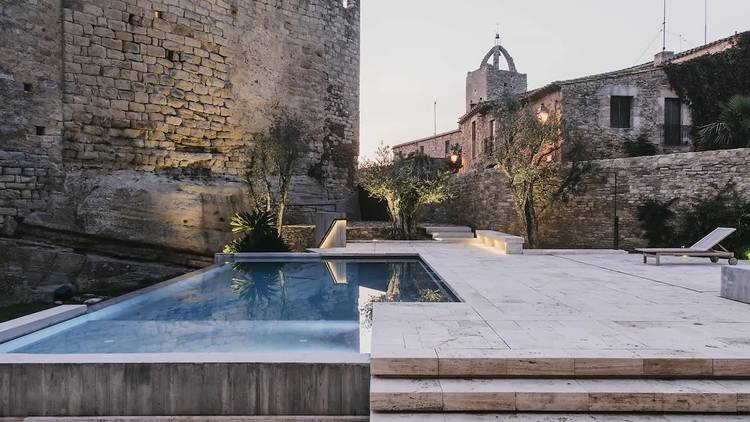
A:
<point x="675" y="135"/>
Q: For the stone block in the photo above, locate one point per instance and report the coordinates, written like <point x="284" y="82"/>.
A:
<point x="735" y="283"/>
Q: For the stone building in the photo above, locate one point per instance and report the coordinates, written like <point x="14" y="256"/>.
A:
<point x="123" y="124"/>
<point x="605" y="109"/>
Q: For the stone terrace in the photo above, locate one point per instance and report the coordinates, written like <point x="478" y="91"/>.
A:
<point x="561" y="332"/>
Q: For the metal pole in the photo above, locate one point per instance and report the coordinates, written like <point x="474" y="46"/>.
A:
<point x="616" y="220"/>
<point x="664" y="29"/>
<point x="705" y="22"/>
<point x="434" y="112"/>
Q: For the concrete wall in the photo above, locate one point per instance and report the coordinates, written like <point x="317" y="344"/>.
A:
<point x="586" y="221"/>
<point x="133" y="130"/>
<point x="183" y="389"/>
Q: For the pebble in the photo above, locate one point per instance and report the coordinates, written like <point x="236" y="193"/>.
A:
<point x="93" y="301"/>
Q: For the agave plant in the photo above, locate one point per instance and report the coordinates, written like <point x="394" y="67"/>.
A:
<point x="733" y="128"/>
<point x="258" y="233"/>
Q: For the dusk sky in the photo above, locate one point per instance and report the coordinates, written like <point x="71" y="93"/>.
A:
<point x="415" y="52"/>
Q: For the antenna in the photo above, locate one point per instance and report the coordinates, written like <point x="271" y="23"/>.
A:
<point x="434" y="110"/>
<point x="705" y="22"/>
<point x="664" y="29"/>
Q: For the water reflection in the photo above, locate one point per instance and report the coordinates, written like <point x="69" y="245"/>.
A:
<point x="249" y="307"/>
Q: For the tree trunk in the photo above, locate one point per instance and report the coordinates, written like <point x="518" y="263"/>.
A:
<point x="280" y="212"/>
<point x="529" y="216"/>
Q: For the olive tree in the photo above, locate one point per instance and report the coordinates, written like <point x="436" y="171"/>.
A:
<point x="542" y="162"/>
<point x="272" y="158"/>
<point x="406" y="183"/>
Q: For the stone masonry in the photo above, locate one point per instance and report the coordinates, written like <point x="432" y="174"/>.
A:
<point x="586" y="220"/>
<point x="124" y="121"/>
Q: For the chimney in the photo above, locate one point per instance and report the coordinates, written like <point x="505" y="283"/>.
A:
<point x="662" y="58"/>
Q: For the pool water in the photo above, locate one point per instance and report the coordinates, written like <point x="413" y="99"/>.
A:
<point x="310" y="306"/>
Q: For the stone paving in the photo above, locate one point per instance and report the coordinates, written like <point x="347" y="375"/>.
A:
<point x="564" y="305"/>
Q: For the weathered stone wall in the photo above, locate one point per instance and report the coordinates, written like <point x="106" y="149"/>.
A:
<point x="586" y="221"/>
<point x="30" y="105"/>
<point x="586" y="108"/>
<point x="182" y="88"/>
<point x="123" y="122"/>
<point x="433" y="146"/>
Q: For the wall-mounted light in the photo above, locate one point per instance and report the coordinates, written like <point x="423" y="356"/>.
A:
<point x="454" y="158"/>
<point x="157" y="14"/>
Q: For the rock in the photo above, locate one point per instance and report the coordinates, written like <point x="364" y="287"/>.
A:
<point x="93" y="301"/>
<point x="64" y="292"/>
<point x="58" y="302"/>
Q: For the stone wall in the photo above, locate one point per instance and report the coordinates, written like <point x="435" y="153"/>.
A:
<point x="586" y="221"/>
<point x="585" y="106"/>
<point x="30" y="106"/>
<point x="433" y="146"/>
<point x="123" y="122"/>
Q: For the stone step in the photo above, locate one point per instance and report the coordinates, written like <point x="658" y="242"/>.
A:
<point x="453" y="235"/>
<point x="443" y="229"/>
<point x="489" y="363"/>
<point x="558" y="395"/>
<point x="551" y="417"/>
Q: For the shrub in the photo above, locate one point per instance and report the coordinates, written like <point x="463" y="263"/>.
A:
<point x="258" y="233"/>
<point x="726" y="207"/>
<point x="639" y="147"/>
<point x="655" y="217"/>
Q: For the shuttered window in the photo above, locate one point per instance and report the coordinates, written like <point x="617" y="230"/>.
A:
<point x="620" y="110"/>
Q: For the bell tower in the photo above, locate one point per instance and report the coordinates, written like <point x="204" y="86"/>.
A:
<point x="490" y="82"/>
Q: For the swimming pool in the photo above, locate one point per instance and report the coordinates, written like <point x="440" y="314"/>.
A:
<point x="306" y="305"/>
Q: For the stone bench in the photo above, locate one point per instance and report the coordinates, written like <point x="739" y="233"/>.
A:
<point x="735" y="283"/>
<point x="506" y="243"/>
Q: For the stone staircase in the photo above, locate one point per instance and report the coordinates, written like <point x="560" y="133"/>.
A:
<point x="421" y="386"/>
<point x="450" y="233"/>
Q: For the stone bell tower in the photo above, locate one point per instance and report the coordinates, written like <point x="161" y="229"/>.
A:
<point x="490" y="82"/>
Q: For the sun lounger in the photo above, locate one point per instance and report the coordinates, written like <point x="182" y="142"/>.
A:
<point x="704" y="248"/>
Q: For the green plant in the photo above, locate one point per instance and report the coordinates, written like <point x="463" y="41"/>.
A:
<point x="543" y="164"/>
<point x="696" y="81"/>
<point x="272" y="160"/>
<point x="639" y="147"/>
<point x="406" y="183"/>
<point x="732" y="130"/>
<point x="656" y="220"/>
<point x="258" y="233"/>
<point x="725" y="207"/>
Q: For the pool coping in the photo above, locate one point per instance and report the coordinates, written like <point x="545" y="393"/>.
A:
<point x="213" y="357"/>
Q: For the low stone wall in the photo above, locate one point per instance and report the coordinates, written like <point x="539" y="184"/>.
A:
<point x="368" y="230"/>
<point x="586" y="220"/>
<point x="299" y="237"/>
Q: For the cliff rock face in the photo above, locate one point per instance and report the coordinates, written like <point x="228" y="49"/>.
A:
<point x="123" y="123"/>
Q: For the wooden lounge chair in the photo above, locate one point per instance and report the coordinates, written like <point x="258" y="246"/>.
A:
<point x="704" y="248"/>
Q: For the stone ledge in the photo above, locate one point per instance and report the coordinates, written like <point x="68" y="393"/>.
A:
<point x="506" y="243"/>
<point x="28" y="324"/>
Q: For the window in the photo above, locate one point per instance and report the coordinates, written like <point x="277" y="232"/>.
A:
<point x="619" y="113"/>
<point x="447" y="147"/>
<point x="473" y="139"/>
<point x="421" y="149"/>
<point x="489" y="143"/>
<point x="27" y="87"/>
<point x="40" y="130"/>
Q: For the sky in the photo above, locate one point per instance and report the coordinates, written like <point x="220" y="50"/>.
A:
<point x="416" y="52"/>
